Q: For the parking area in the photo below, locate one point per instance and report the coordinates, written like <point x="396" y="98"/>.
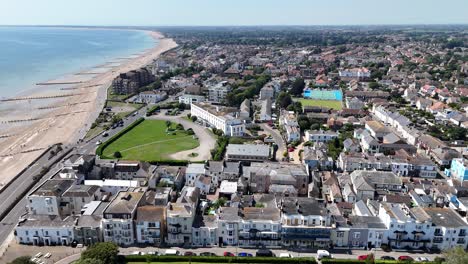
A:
<point x="15" y="250"/>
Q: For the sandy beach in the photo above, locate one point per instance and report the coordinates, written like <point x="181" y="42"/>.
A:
<point x="64" y="114"/>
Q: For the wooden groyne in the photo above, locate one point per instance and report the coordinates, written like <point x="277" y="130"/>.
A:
<point x="39" y="97"/>
<point x="21" y="152"/>
<point x="87" y="73"/>
<point x="59" y="106"/>
<point x="58" y="83"/>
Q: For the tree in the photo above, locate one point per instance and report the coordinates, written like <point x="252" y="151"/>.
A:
<point x="156" y="85"/>
<point x="220" y="202"/>
<point x="117" y="155"/>
<point x="168" y="123"/>
<point x="456" y="255"/>
<point x="298" y="87"/>
<point x="182" y="106"/>
<point x="180" y="127"/>
<point x="284" y="100"/>
<point x="304" y="124"/>
<point x="106" y="252"/>
<point x="22" y="260"/>
<point x="194" y="118"/>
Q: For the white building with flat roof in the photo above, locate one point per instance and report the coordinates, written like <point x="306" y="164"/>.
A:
<point x="220" y="117"/>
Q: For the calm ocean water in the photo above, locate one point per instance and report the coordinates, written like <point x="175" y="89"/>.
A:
<point x="33" y="54"/>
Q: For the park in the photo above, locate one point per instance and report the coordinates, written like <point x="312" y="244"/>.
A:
<point x="151" y="140"/>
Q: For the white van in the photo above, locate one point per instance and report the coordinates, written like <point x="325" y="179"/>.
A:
<point x="172" y="252"/>
<point x="323" y="254"/>
<point x="285" y="255"/>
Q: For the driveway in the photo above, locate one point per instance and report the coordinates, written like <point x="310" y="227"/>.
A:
<point x="206" y="139"/>
<point x="278" y="140"/>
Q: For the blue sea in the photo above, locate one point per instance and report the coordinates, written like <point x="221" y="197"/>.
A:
<point x="29" y="55"/>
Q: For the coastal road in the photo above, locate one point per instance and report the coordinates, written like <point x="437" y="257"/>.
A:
<point x="10" y="195"/>
<point x="338" y="254"/>
<point x="278" y="140"/>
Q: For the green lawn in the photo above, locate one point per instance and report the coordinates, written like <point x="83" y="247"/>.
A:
<point x="324" y="103"/>
<point x="149" y="141"/>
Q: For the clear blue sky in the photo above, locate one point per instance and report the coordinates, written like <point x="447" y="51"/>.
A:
<point x="231" y="12"/>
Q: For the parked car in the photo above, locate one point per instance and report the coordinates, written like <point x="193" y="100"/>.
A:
<point x="321" y="254"/>
<point x="228" y="254"/>
<point x="189" y="253"/>
<point x="364" y="257"/>
<point x="105" y="134"/>
<point x="422" y="259"/>
<point x="387" y="258"/>
<point x="207" y="254"/>
<point x="264" y="253"/>
<point x="172" y="252"/>
<point x="405" y="258"/>
<point x="244" y="254"/>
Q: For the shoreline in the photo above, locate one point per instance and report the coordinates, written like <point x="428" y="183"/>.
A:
<point x="70" y="123"/>
<point x="33" y="89"/>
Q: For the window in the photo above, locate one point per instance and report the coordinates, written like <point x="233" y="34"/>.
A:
<point x="357" y="235"/>
<point x="340" y="234"/>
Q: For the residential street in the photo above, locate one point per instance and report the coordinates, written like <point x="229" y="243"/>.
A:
<point x="278" y="139"/>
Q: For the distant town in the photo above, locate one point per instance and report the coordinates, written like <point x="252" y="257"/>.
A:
<point x="301" y="141"/>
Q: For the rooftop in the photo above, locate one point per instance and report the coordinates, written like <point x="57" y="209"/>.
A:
<point x="53" y="187"/>
<point x="248" y="150"/>
<point x="124" y="203"/>
<point x="445" y="217"/>
<point x="149" y="213"/>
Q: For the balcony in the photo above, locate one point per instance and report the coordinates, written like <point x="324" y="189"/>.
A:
<point x="462" y="234"/>
<point x="174" y="231"/>
<point x="437" y="240"/>
<point x="461" y="241"/>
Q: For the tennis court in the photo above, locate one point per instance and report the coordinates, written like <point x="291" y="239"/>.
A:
<point x="323" y="94"/>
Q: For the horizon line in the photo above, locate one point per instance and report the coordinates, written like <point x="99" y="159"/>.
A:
<point x="250" y="25"/>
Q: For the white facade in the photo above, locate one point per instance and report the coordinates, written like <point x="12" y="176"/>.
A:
<point x="191" y="98"/>
<point x="230" y="125"/>
<point x="46" y="231"/>
<point x="151" y="97"/>
<point x="219" y="92"/>
<point x="355" y="73"/>
<point x="119" y="231"/>
<point x="320" y="136"/>
<point x="148" y="232"/>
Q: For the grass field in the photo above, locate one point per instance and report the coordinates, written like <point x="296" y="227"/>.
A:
<point x="323" y="103"/>
<point x="149" y="141"/>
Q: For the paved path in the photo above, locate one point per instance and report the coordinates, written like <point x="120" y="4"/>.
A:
<point x="69" y="259"/>
<point x="207" y="140"/>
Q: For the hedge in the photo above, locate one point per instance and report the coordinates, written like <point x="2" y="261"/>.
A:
<point x="169" y="162"/>
<point x="377" y="261"/>
<point x="148" y="258"/>
<point x="101" y="148"/>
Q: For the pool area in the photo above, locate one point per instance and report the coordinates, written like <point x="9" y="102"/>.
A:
<point x="323" y="94"/>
